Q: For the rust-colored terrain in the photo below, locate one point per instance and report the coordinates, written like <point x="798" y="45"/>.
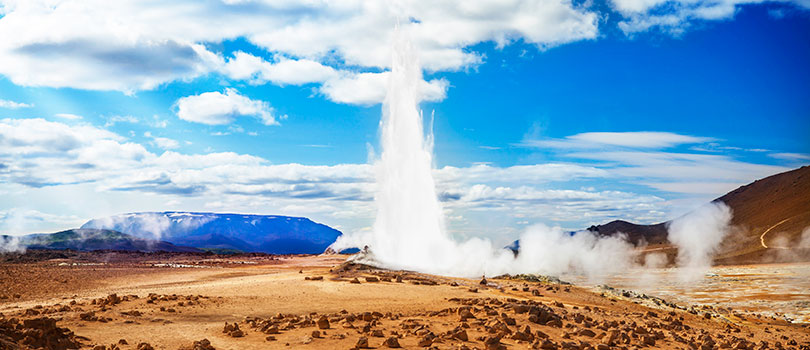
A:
<point x="113" y="300"/>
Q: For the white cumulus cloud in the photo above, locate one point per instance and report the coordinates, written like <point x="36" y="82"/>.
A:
<point x="244" y="66"/>
<point x="14" y="105"/>
<point x="216" y="108"/>
<point x="675" y="16"/>
<point x="162" y="142"/>
<point x="154" y="43"/>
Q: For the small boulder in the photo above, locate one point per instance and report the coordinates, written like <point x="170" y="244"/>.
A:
<point x="391" y="342"/>
<point x="323" y="322"/>
<point x="362" y="343"/>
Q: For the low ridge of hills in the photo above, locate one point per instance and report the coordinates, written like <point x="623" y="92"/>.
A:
<point x="96" y="239"/>
<point x="636" y="234"/>
<point x="770" y="216"/>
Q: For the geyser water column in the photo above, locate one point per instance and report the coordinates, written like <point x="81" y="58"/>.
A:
<point x="409" y="229"/>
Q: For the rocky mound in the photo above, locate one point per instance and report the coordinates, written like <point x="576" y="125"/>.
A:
<point x="35" y="333"/>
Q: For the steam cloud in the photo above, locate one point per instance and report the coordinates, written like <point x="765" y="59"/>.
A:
<point x="804" y="242"/>
<point x="149" y="225"/>
<point x="543" y="250"/>
<point x="11" y="244"/>
<point x="697" y="236"/>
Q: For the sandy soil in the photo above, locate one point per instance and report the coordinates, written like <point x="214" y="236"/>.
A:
<point x="312" y="302"/>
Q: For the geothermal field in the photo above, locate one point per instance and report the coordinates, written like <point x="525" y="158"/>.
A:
<point x="174" y="301"/>
<point x="711" y="279"/>
<point x="192" y="176"/>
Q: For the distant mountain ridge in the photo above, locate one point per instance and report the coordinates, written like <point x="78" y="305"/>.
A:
<point x="769" y="218"/>
<point x="636" y="234"/>
<point x="273" y="234"/>
<point x="96" y="239"/>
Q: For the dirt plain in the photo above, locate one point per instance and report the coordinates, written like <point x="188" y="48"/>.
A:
<point x="117" y="300"/>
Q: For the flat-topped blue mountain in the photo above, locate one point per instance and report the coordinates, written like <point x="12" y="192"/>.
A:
<point x="248" y="233"/>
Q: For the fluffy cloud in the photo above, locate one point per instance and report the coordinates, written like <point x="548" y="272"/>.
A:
<point x="150" y="43"/>
<point x="20" y="221"/>
<point x="13" y="105"/>
<point x="67" y="116"/>
<point x="37" y="153"/>
<point x="244" y="66"/>
<point x="162" y="142"/>
<point x="675" y="16"/>
<point x="216" y="108"/>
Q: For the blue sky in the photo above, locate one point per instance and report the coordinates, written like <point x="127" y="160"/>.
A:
<point x="564" y="113"/>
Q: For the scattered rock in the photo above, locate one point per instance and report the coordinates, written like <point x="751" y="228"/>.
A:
<point x="426" y="340"/>
<point x="36" y="333"/>
<point x="460" y="335"/>
<point x="323" y="322"/>
<point x="493" y="343"/>
<point x="233" y="330"/>
<point x="362" y="343"/>
<point x="391" y="342"/>
<point x="587" y="333"/>
<point x="199" y="345"/>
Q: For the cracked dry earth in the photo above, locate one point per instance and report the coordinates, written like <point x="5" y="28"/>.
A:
<point x="316" y="302"/>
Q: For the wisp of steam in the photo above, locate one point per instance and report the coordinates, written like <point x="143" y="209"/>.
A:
<point x="409" y="231"/>
<point x="697" y="236"/>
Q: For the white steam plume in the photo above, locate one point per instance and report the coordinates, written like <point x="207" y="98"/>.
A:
<point x="11" y="244"/>
<point x="804" y="242"/>
<point x="697" y="236"/>
<point x="150" y="225"/>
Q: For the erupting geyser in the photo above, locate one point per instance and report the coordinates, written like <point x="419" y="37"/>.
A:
<point x="409" y="229"/>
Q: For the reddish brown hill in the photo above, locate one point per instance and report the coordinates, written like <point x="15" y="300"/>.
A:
<point x="769" y="217"/>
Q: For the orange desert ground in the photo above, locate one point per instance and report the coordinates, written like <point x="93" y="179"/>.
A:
<point x="114" y="300"/>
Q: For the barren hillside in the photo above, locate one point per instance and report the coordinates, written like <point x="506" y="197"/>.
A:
<point x="769" y="218"/>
